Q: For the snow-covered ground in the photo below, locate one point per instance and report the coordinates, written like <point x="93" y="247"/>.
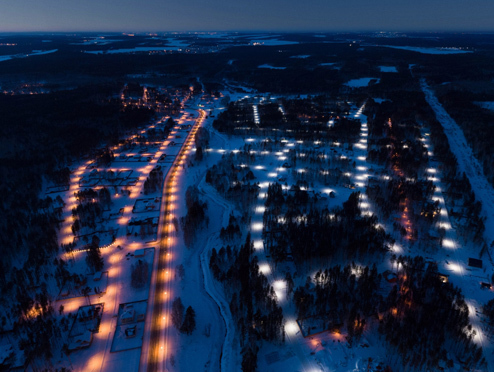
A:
<point x="486" y="104"/>
<point x="425" y="50"/>
<point x="22" y="55"/>
<point x="272" y="42"/>
<point x="219" y="346"/>
<point x="388" y="69"/>
<point x="100" y="40"/>
<point x="362" y="82"/>
<point x="467" y="162"/>
<point x="137" y="50"/>
<point x="325" y="352"/>
<point x="134" y="165"/>
<point x="271" y="67"/>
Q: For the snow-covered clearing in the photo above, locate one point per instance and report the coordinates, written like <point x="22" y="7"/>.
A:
<point x="489" y="105"/>
<point x="272" y="42"/>
<point x="271" y="67"/>
<point x="362" y="82"/>
<point x="425" y="50"/>
<point x="177" y="47"/>
<point x="388" y="69"/>
<point x="22" y="55"/>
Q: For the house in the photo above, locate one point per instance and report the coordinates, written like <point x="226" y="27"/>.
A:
<point x="485" y="285"/>
<point x="474" y="262"/>
<point x="139" y="252"/>
<point x="443" y="277"/>
<point x="81" y="341"/>
<point x="128" y="315"/>
<point x="390" y="276"/>
<point x="130" y="332"/>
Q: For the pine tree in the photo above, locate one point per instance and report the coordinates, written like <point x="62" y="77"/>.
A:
<point x="249" y="360"/>
<point x="189" y="324"/>
<point x="93" y="258"/>
<point x="177" y="312"/>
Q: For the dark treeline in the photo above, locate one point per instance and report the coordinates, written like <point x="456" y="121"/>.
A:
<point x="201" y="140"/>
<point x="253" y="301"/>
<point x="154" y="182"/>
<point x="423" y="320"/>
<point x="292" y="228"/>
<point x="233" y="181"/>
<point x="195" y="218"/>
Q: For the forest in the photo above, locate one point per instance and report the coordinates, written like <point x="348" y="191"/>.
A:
<point x="423" y="320"/>
<point x="253" y="301"/>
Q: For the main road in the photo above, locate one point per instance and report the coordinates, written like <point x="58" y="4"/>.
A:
<point x="155" y="343"/>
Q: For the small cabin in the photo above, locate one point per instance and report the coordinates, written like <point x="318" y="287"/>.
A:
<point x="139" y="252"/>
<point x="474" y="262"/>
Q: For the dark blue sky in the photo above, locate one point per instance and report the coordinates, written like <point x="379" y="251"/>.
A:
<point x="263" y="15"/>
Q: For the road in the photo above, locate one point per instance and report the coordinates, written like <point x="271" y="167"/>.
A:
<point x="155" y="345"/>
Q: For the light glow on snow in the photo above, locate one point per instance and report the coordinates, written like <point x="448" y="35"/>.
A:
<point x="257" y="226"/>
<point x="448" y="243"/>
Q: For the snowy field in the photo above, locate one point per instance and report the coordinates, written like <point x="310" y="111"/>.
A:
<point x="487" y="105"/>
<point x="388" y="69"/>
<point x="22" y="55"/>
<point x="425" y="50"/>
<point x="272" y="42"/>
<point x="362" y="82"/>
<point x="271" y="67"/>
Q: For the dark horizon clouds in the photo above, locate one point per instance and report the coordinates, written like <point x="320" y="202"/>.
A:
<point x="246" y="15"/>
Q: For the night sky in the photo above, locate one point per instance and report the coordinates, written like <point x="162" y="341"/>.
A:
<point x="246" y="15"/>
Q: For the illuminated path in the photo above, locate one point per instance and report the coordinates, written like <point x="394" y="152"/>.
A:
<point x="155" y="344"/>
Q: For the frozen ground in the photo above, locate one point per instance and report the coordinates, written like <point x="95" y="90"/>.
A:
<point x="272" y="42"/>
<point x="487" y="105"/>
<point x="362" y="82"/>
<point x="172" y="45"/>
<point x="429" y="50"/>
<point x="388" y="69"/>
<point x="271" y="67"/>
<point x="22" y="55"/>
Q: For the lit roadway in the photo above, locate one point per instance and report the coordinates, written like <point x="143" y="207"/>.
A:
<point x="155" y="345"/>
